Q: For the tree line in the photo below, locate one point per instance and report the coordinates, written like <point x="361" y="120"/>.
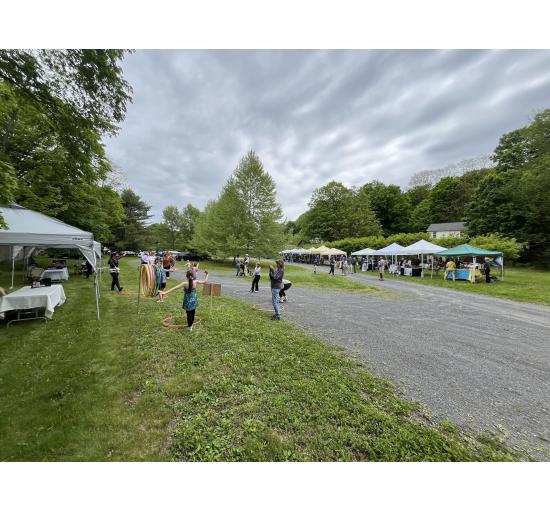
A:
<point x="57" y="105"/>
<point x="508" y="200"/>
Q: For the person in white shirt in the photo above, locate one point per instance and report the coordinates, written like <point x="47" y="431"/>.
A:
<point x="256" y="279"/>
<point x="144" y="258"/>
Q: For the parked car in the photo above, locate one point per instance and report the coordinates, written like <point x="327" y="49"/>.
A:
<point x="188" y="255"/>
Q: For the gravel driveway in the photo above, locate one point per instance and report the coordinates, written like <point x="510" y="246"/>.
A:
<point x="481" y="362"/>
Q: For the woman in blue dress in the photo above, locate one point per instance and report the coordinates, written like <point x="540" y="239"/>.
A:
<point x="190" y="296"/>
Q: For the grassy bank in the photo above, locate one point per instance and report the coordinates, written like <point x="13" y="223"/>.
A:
<point x="239" y="387"/>
<point x="519" y="284"/>
<point x="299" y="276"/>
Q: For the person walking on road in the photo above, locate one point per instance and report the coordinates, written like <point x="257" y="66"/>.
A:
<point x="332" y="263"/>
<point x="256" y="279"/>
<point x="276" y="277"/>
<point x="381" y="268"/>
<point x="282" y="293"/>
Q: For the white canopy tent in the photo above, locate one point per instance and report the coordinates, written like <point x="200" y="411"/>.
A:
<point x="392" y="249"/>
<point x="27" y="228"/>
<point x="422" y="248"/>
<point x="364" y="252"/>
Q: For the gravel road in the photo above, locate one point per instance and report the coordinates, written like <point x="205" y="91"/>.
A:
<point x="481" y="362"/>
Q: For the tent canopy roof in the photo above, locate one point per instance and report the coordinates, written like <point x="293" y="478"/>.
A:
<point x="392" y="249"/>
<point x="467" y="250"/>
<point x="31" y="228"/>
<point x="335" y="251"/>
<point x="364" y="251"/>
<point x="322" y="250"/>
<point x="421" y="247"/>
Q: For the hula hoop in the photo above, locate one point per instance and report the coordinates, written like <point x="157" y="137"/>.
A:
<point x="149" y="279"/>
<point x="168" y="322"/>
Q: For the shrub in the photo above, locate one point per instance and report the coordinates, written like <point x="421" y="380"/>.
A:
<point x="508" y="246"/>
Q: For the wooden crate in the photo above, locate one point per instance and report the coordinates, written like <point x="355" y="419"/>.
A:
<point x="212" y="289"/>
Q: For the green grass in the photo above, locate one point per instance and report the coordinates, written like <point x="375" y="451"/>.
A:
<point x="239" y="388"/>
<point x="519" y="284"/>
<point x="300" y="277"/>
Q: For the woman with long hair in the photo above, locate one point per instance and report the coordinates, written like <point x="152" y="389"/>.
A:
<point x="190" y="296"/>
<point x="276" y="277"/>
<point x="114" y="271"/>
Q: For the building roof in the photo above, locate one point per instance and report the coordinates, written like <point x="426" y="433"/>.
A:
<point x="443" y="227"/>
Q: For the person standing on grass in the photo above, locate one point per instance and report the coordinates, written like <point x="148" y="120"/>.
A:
<point x="381" y="268"/>
<point x="487" y="270"/>
<point x="256" y="279"/>
<point x="190" y="296"/>
<point x="332" y="264"/>
<point x="450" y="267"/>
<point x="167" y="262"/>
<point x="276" y="277"/>
<point x="114" y="271"/>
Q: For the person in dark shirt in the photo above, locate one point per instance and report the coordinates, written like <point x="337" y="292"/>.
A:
<point x="276" y="277"/>
<point x="487" y="270"/>
<point x="114" y="271"/>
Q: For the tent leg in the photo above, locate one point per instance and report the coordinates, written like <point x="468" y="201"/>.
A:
<point x="12" y="266"/>
<point x="474" y="271"/>
<point x="96" y="285"/>
<point x="422" y="265"/>
<point x="502" y="269"/>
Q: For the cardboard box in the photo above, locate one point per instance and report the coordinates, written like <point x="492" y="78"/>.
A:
<point x="212" y="289"/>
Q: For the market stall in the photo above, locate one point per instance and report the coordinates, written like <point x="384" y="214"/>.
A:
<point x="365" y="252"/>
<point x="391" y="250"/>
<point x="472" y="252"/>
<point x="421" y="248"/>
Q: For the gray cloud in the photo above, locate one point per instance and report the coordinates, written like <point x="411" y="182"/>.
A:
<point x="313" y="116"/>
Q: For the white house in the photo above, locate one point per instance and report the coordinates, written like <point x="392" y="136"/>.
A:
<point x="438" y="230"/>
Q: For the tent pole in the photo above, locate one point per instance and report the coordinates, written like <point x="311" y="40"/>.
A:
<point x="474" y="271"/>
<point x="12" y="265"/>
<point x="432" y="275"/>
<point x="96" y="284"/>
<point x="422" y="265"/>
<point x="502" y="269"/>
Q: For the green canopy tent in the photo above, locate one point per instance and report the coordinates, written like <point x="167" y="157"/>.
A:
<point x="467" y="250"/>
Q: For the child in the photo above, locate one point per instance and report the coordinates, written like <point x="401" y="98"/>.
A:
<point x="190" y="296"/>
<point x="256" y="279"/>
<point x="282" y="293"/>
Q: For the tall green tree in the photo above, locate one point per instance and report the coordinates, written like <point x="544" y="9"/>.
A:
<point x="189" y="218"/>
<point x="136" y="213"/>
<point x="172" y="221"/>
<point x="55" y="105"/>
<point x="391" y="206"/>
<point x="245" y="218"/>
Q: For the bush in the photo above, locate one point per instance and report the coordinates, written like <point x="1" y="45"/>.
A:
<point x="508" y="246"/>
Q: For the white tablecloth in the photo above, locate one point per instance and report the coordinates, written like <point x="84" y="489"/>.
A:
<point x="56" y="274"/>
<point x="408" y="271"/>
<point x="26" y="298"/>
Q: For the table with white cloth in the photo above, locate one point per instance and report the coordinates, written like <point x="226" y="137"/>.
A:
<point x="56" y="274"/>
<point x="27" y="298"/>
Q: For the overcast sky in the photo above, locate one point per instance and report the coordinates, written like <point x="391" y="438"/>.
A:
<point x="314" y="116"/>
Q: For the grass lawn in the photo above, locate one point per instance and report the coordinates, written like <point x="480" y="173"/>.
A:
<point x="519" y="284"/>
<point x="238" y="388"/>
<point x="299" y="276"/>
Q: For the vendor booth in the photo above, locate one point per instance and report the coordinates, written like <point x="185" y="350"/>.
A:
<point x="365" y="252"/>
<point x="470" y="271"/>
<point x="420" y="248"/>
<point x="27" y="228"/>
<point x="391" y="250"/>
